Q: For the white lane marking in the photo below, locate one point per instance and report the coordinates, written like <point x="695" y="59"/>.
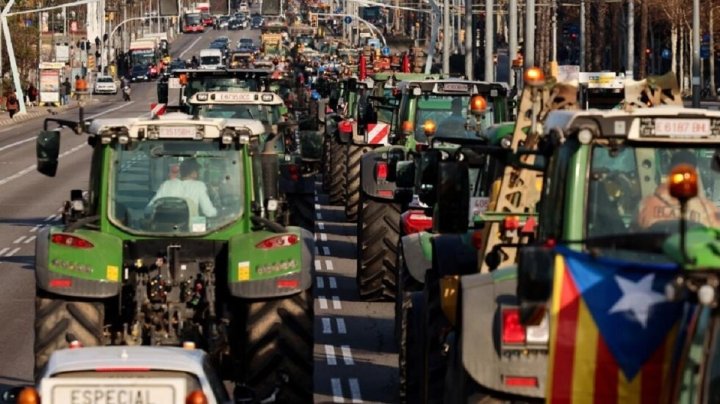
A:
<point x="342" y="329"/>
<point x="327" y="325"/>
<point x="318" y="267"/>
<point x="329" y="265"/>
<point x="50" y="218"/>
<point x="19" y="142"/>
<point x="333" y="282"/>
<point x="337" y="390"/>
<point x="347" y="355"/>
<point x="330" y="355"/>
<point x="11" y="253"/>
<point x="19" y="240"/>
<point x="336" y="303"/>
<point x="36" y="228"/>
<point x="319" y="216"/>
<point x="316" y="198"/>
<point x="317" y="207"/>
<point x="323" y="237"/>
<point x="321" y="226"/>
<point x="323" y="302"/>
<point x="113" y="109"/>
<point x="317" y="252"/>
<point x="326" y="250"/>
<point x="3" y="251"/>
<point x="320" y="282"/>
<point x="32" y="168"/>
<point x="189" y="47"/>
<point x="355" y="390"/>
<point x="30" y="239"/>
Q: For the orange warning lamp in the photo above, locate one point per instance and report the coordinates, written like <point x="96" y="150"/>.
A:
<point x="534" y="76"/>
<point x="478" y="104"/>
<point x="183" y="78"/>
<point x="407" y="127"/>
<point x="429" y="127"/>
<point x="196" y="397"/>
<point x="28" y="395"/>
<point x="683" y="182"/>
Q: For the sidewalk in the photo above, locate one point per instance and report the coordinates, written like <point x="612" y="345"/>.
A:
<point x="37" y="112"/>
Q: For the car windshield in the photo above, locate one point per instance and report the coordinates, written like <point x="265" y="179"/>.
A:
<point x="448" y="114"/>
<point x="269" y="114"/>
<point x="139" y="69"/>
<point x="104" y="80"/>
<point x="627" y="191"/>
<point x="192" y="19"/>
<point x="246" y="41"/>
<point x="210" y="60"/>
<point x="176" y="186"/>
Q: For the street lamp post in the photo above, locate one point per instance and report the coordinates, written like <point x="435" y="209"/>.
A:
<point x="696" y="55"/>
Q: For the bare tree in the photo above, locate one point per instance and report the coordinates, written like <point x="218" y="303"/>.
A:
<point x="642" y="66"/>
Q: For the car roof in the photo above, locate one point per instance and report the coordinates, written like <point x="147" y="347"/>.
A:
<point x="154" y="357"/>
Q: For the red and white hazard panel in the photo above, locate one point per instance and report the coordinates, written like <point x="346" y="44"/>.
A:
<point x="377" y="133"/>
<point x="157" y="109"/>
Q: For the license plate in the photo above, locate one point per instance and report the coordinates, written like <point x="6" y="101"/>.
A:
<point x="184" y="132"/>
<point x="114" y="390"/>
<point x="682" y="127"/>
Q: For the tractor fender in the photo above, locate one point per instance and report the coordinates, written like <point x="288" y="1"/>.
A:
<point x="93" y="272"/>
<point x="256" y="273"/>
<point x="482" y="297"/>
<point x="381" y="189"/>
<point x="453" y="255"/>
<point x="417" y="254"/>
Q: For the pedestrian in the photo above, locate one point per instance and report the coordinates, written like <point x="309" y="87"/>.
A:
<point x="65" y="91"/>
<point x="32" y="93"/>
<point x="12" y="104"/>
<point x="80" y="86"/>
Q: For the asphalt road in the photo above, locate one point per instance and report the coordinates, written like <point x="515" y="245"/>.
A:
<point x="355" y="356"/>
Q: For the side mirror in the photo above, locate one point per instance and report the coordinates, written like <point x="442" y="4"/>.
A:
<point x="428" y="176"/>
<point x="48" y="149"/>
<point x="534" y="284"/>
<point x="453" y="198"/>
<point x="11" y="395"/>
<point x="395" y="156"/>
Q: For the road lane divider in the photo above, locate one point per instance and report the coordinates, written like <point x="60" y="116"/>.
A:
<point x="337" y="392"/>
<point x="347" y="355"/>
<point x="355" y="394"/>
<point x="330" y="355"/>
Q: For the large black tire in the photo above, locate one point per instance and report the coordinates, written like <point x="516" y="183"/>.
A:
<point x="58" y="317"/>
<point x="410" y="354"/>
<point x="302" y="210"/>
<point x="326" y="175"/>
<point x="378" y="232"/>
<point x="352" y="181"/>
<point x="278" y="348"/>
<point x="405" y="286"/>
<point x="436" y="325"/>
<point x="336" y="193"/>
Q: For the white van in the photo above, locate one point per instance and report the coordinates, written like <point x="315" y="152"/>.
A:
<point x="211" y="59"/>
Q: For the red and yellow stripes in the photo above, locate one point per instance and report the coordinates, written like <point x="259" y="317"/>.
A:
<point x="582" y="368"/>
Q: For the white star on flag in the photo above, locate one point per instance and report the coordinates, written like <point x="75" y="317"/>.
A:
<point x="637" y="298"/>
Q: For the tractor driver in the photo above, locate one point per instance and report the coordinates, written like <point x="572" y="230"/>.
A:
<point x="189" y="188"/>
<point x="455" y="123"/>
<point x="661" y="206"/>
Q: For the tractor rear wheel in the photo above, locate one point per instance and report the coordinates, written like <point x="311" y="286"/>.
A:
<point x="378" y="230"/>
<point x="352" y="182"/>
<point x="59" y="319"/>
<point x="326" y="174"/>
<point x="278" y="348"/>
<point x="338" y="161"/>
<point x="411" y="346"/>
<point x="302" y="210"/>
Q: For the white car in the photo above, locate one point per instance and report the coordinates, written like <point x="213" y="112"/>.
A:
<point x="150" y="374"/>
<point x="105" y="85"/>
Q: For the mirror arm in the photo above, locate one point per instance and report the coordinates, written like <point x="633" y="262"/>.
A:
<point x="77" y="127"/>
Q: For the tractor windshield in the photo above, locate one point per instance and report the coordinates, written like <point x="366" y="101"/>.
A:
<point x="448" y="115"/>
<point x="268" y="114"/>
<point x="628" y="191"/>
<point x="175" y="186"/>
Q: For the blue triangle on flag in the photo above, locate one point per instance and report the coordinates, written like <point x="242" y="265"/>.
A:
<point x="628" y="304"/>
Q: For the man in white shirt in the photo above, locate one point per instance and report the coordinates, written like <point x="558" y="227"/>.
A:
<point x="188" y="187"/>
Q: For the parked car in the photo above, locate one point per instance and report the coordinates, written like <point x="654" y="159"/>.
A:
<point x="256" y="22"/>
<point x="140" y="73"/>
<point x="155" y="374"/>
<point x="105" y="85"/>
<point x="234" y="24"/>
<point x="223" y="22"/>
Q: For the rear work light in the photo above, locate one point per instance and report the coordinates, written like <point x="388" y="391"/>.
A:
<point x="345" y="127"/>
<point x="520" y="381"/>
<point x="381" y="170"/>
<point x="416" y="221"/>
<point x="70" y="241"/>
<point x="285" y="240"/>
<point x="513" y="332"/>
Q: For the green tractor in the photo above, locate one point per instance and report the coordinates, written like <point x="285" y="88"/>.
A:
<point x="167" y="245"/>
<point x="426" y="108"/>
<point x="289" y="197"/>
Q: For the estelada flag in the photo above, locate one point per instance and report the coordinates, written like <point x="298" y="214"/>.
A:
<point x="613" y="332"/>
